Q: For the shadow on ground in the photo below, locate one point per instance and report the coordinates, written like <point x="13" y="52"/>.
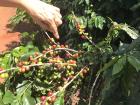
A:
<point x="22" y="27"/>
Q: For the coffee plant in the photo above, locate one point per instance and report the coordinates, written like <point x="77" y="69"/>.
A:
<point x="96" y="59"/>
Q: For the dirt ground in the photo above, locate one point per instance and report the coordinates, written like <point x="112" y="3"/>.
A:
<point x="7" y="38"/>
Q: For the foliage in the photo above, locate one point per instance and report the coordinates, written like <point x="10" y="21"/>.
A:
<point x="92" y="47"/>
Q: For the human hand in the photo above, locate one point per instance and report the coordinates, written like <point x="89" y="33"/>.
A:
<point x="47" y="16"/>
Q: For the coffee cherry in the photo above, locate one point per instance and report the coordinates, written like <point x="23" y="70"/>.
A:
<point x="44" y="52"/>
<point x="36" y="53"/>
<point x="30" y="58"/>
<point x="68" y="67"/>
<point x="60" y="88"/>
<point x="85" y="72"/>
<point x="51" y="53"/>
<point x="40" y="63"/>
<point x="20" y="64"/>
<point x="71" y="77"/>
<point x="66" y="46"/>
<point x="62" y="46"/>
<point x="76" y="55"/>
<point x="26" y="63"/>
<point x="54" y="46"/>
<point x="52" y="39"/>
<point x="27" y="68"/>
<point x="35" y="61"/>
<point x="72" y="62"/>
<point x="43" y="98"/>
<point x="83" y="37"/>
<point x="4" y="75"/>
<point x="64" y="79"/>
<point x="22" y="69"/>
<point x="50" y="93"/>
<point x="53" y="98"/>
<point x="67" y="55"/>
<point x="2" y="80"/>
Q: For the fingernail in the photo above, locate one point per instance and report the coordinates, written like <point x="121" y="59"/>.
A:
<point x="57" y="36"/>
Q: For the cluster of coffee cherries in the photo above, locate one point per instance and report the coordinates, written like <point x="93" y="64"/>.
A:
<point x="48" y="99"/>
<point x="22" y="67"/>
<point x="54" y="66"/>
<point x="3" y="76"/>
<point x="53" y="57"/>
<point x="81" y="29"/>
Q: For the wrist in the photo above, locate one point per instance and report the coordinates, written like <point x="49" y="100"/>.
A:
<point x="26" y="4"/>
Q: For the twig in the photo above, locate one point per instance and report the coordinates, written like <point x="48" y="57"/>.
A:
<point x="65" y="49"/>
<point x="93" y="86"/>
<point x="7" y="70"/>
<point x="33" y="65"/>
<point x="65" y="86"/>
<point x="50" y="38"/>
<point x="73" y="78"/>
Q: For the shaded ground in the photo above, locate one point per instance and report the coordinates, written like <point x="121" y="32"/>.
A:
<point x="7" y="38"/>
<point x="11" y="38"/>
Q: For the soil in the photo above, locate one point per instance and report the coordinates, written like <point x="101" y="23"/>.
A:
<point x="7" y="38"/>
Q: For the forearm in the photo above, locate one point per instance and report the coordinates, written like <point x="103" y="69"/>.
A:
<point x="12" y="3"/>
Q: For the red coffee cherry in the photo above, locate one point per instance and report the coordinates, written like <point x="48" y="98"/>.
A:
<point x="43" y="98"/>
<point x="50" y="93"/>
<point x="22" y="69"/>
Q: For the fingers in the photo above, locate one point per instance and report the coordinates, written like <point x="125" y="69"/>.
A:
<point x="53" y="21"/>
<point x="50" y="26"/>
<point x="57" y="15"/>
<point x="58" y="21"/>
<point x="57" y="11"/>
<point x="54" y="30"/>
<point x="48" y="17"/>
<point x="56" y="8"/>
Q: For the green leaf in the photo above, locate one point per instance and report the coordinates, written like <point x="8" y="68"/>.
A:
<point x="15" y="102"/>
<point x="25" y="34"/>
<point x="22" y="87"/>
<point x="18" y="51"/>
<point x="1" y="94"/>
<point x="131" y="32"/>
<point x="8" y="97"/>
<point x="87" y="2"/>
<point x="108" y="65"/>
<point x="6" y="61"/>
<point x="134" y="62"/>
<point x="24" y="94"/>
<point x="119" y="65"/>
<point x="27" y="99"/>
<point x="99" y="22"/>
<point x="60" y="99"/>
<point x="25" y="57"/>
